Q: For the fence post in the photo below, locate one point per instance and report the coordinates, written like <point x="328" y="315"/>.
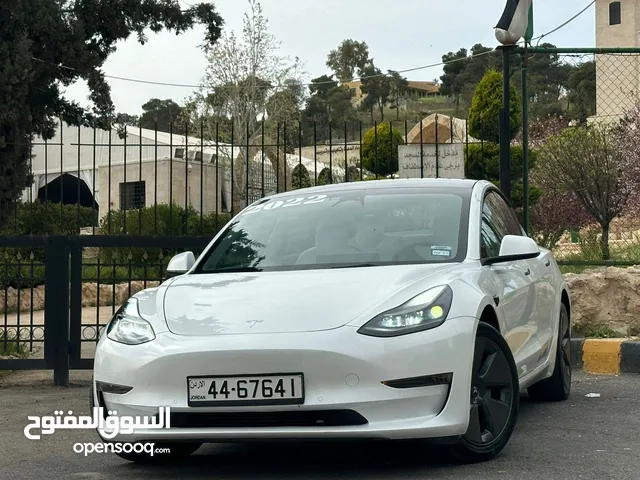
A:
<point x="525" y="144"/>
<point x="505" y="124"/>
<point x="56" y="310"/>
<point x="75" y="307"/>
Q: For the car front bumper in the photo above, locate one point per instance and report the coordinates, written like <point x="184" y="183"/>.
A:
<point x="343" y="370"/>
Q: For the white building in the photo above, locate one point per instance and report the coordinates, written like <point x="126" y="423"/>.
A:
<point x="617" y="75"/>
<point x="111" y="171"/>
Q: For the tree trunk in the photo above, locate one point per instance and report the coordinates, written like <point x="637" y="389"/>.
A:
<point x="604" y="243"/>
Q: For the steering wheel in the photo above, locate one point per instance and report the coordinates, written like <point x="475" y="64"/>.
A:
<point x="302" y="259"/>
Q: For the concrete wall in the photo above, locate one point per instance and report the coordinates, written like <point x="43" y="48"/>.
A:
<point x="159" y="188"/>
<point x="617" y="76"/>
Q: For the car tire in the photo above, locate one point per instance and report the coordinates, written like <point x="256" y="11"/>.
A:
<point x="557" y="387"/>
<point x="177" y="451"/>
<point x="494" y="399"/>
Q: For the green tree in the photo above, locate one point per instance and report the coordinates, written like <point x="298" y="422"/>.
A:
<point x="377" y="88"/>
<point x="582" y="92"/>
<point x="350" y="57"/>
<point x="484" y="114"/>
<point x="399" y="86"/>
<point x="163" y="113"/>
<point x="452" y="81"/>
<point x="548" y="78"/>
<point x="464" y="69"/>
<point x="328" y="104"/>
<point x="283" y="108"/>
<point x="587" y="163"/>
<point x="482" y="162"/>
<point x="127" y="119"/>
<point x="243" y="75"/>
<point x="380" y="149"/>
<point x="47" y="45"/>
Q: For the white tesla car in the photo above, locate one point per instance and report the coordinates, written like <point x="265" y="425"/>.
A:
<point x="397" y="309"/>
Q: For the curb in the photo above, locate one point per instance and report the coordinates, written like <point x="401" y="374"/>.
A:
<point x="606" y="356"/>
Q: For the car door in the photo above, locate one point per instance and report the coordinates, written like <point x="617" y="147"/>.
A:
<point x="512" y="284"/>
<point x="547" y="301"/>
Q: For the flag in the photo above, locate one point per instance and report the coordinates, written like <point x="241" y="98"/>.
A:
<point x="514" y="23"/>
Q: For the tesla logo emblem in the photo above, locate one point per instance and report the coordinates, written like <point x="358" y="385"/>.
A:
<point x="253" y="322"/>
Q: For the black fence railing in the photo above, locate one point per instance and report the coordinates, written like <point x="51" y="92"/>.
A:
<point x="131" y="180"/>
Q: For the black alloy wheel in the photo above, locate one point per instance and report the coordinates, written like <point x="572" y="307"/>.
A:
<point x="494" y="399"/>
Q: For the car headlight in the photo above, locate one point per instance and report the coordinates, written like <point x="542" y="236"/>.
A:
<point x="423" y="312"/>
<point x="128" y="327"/>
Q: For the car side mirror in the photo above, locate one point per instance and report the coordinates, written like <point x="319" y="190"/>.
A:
<point x="180" y="264"/>
<point x="513" y="248"/>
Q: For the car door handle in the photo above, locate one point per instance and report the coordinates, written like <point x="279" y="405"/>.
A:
<point x="547" y="263"/>
<point x="527" y="272"/>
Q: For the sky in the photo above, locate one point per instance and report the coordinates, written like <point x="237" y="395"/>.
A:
<point x="400" y="35"/>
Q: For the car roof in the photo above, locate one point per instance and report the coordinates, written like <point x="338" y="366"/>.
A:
<point x="436" y="183"/>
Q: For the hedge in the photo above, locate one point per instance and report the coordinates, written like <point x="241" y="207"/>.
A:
<point x="24" y="267"/>
<point x="160" y="220"/>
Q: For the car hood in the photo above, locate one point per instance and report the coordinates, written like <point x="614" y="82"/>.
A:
<point x="284" y="302"/>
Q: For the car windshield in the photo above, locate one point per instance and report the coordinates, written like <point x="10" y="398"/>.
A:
<point x="341" y="229"/>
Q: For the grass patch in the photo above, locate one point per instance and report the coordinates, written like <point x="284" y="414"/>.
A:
<point x="10" y="346"/>
<point x="596" y="331"/>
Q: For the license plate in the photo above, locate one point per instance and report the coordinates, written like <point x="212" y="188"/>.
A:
<point x="276" y="389"/>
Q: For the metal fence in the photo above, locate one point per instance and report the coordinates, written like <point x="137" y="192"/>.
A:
<point x="586" y="201"/>
<point x="107" y="209"/>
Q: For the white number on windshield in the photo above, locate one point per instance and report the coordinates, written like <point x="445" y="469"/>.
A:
<point x="293" y="202"/>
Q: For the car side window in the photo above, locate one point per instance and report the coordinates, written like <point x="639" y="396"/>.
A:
<point x="498" y="220"/>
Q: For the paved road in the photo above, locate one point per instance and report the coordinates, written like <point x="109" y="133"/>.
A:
<point x="584" y="438"/>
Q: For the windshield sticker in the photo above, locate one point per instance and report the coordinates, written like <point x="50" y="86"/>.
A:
<point x="440" y="251"/>
<point x="292" y="202"/>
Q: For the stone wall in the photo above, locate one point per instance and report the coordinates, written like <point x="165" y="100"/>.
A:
<point x="606" y="296"/>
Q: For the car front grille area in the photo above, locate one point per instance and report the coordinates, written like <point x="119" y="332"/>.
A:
<point x="316" y="418"/>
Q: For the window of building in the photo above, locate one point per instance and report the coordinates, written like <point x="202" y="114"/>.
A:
<point x="179" y="153"/>
<point x="615" y="14"/>
<point x="132" y="195"/>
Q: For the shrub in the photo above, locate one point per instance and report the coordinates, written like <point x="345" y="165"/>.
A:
<point x="36" y="218"/>
<point x="324" y="177"/>
<point x="484" y="114"/>
<point x="380" y="149"/>
<point x="23" y="267"/>
<point x="300" y="177"/>
<point x="482" y="162"/>
<point x="159" y="220"/>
